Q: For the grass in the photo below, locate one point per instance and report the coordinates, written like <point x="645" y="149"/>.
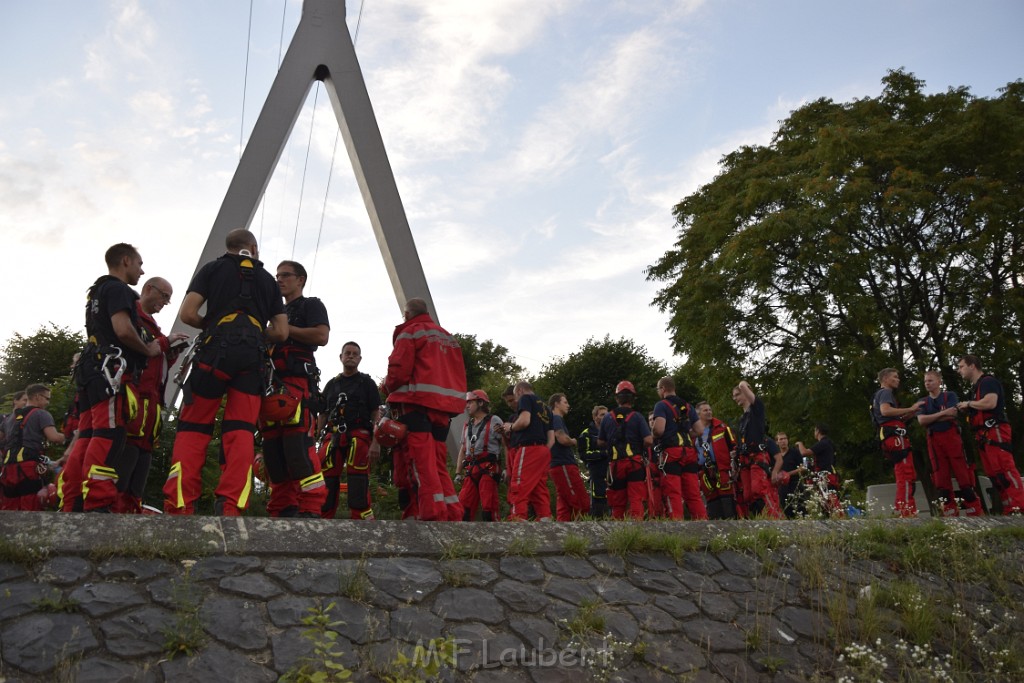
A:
<point x="56" y="603"/>
<point x="757" y="542"/>
<point x="522" y="547"/>
<point x="185" y="635"/>
<point x="576" y="545"/>
<point x="355" y="585"/>
<point x="587" y="619"/>
<point x="172" y="549"/>
<point x="625" y="539"/>
<point x="458" y="550"/>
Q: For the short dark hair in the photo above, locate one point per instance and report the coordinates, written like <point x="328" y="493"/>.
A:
<point x="667" y="383"/>
<point x="972" y="360"/>
<point x="822" y="428"/>
<point x="509" y="390"/>
<point x="117" y="252"/>
<point x="34" y="390"/>
<point x="238" y="239"/>
<point x="300" y="271"/>
<point x="18" y="395"/>
<point x="352" y="343"/>
<point x="555" y="398"/>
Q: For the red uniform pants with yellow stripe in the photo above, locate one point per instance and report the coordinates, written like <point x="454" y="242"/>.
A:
<point x="101" y="443"/>
<point x="628" y="487"/>
<point x="289" y="456"/>
<point x="680" y="483"/>
<point x="896" y="449"/>
<point x="994" y="446"/>
<point x="206" y="386"/>
<point x="348" y="452"/>
<point x="528" y="485"/>
<point x="141" y="432"/>
<point x="760" y="497"/>
<point x="571" y="498"/>
<point x="946" y="453"/>
<point x="20" y="483"/>
<point x="480" y="489"/>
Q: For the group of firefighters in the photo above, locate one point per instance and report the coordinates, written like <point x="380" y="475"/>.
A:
<point x="255" y="355"/>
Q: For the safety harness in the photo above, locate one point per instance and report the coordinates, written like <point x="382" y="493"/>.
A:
<point x="15" y="451"/>
<point x="620" y="447"/>
<point x="982" y="421"/>
<point x="484" y="456"/>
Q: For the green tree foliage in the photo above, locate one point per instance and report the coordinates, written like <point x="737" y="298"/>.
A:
<point x="588" y="377"/>
<point x="489" y="366"/>
<point x="40" y="357"/>
<point x="881" y="232"/>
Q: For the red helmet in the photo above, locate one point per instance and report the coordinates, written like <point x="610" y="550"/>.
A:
<point x="625" y="385"/>
<point x="279" y="406"/>
<point x="478" y="395"/>
<point x="390" y="432"/>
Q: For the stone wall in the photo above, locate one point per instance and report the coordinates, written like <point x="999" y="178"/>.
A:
<point x="99" y="598"/>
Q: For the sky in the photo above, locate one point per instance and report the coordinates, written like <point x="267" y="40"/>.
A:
<point x="538" y="147"/>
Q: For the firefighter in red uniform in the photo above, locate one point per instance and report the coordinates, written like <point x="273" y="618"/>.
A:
<point x="531" y="434"/>
<point x="478" y="465"/>
<point x="146" y="392"/>
<point x="987" y="407"/>
<point x="939" y="416"/>
<point x="112" y="355"/>
<point x="673" y="419"/>
<point x="890" y="420"/>
<point x="628" y="435"/>
<point x="24" y="460"/>
<point x="297" y="486"/>
<point x="571" y="499"/>
<point x="426" y="387"/>
<point x="231" y="354"/>
<point x="715" y="446"/>
<point x="753" y="455"/>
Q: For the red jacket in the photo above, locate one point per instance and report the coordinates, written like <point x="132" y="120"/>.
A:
<point x="426" y="367"/>
<point x="154" y="375"/>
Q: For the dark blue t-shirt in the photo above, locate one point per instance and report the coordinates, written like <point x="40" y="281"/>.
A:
<point x="561" y="455"/>
<point x="947" y="399"/>
<point x="752" y="424"/>
<point x="824" y="455"/>
<point x="678" y="415"/>
<point x="536" y="433"/>
<point x="630" y="440"/>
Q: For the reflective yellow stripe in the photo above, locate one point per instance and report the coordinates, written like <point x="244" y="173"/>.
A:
<point x="243" y="499"/>
<point x="175" y="473"/>
<point x="101" y="473"/>
<point x="314" y="481"/>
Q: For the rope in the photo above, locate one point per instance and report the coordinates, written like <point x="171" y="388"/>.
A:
<point x="305" y="165"/>
<point x="245" y="82"/>
<point x="280" y="42"/>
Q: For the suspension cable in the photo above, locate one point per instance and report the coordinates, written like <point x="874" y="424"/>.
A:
<point x="305" y="165"/>
<point x="330" y="172"/>
<point x="245" y="82"/>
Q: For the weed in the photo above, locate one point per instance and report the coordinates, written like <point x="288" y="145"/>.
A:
<point x="185" y="634"/>
<point x="170" y="548"/>
<point x="17" y="551"/>
<point x="456" y="579"/>
<point x="458" y="550"/>
<point x="577" y="546"/>
<point x="523" y="547"/>
<point x="324" y="664"/>
<point x="772" y="664"/>
<point x="56" y="602"/>
<point x="632" y="538"/>
<point x="758" y="542"/>
<point x="587" y="619"/>
<point x="869" y="621"/>
<point x="425" y="664"/>
<point x="355" y="585"/>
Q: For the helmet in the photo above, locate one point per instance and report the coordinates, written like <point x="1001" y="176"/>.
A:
<point x="624" y="386"/>
<point x="390" y="432"/>
<point x="478" y="395"/>
<point x="279" y="406"/>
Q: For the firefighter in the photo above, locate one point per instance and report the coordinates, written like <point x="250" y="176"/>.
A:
<point x="987" y="416"/>
<point x="626" y="433"/>
<point x="531" y="435"/>
<point x="571" y="499"/>
<point x="595" y="458"/>
<point x="297" y="486"/>
<point x="350" y="410"/>
<point x="241" y="298"/>
<point x="115" y="351"/>
<point x="716" y="446"/>
<point x="148" y="389"/>
<point x="677" y="458"/>
<point x="426" y="387"/>
<point x="822" y="457"/>
<point x="753" y="455"/>
<point x="891" y="422"/>
<point x="478" y="464"/>
<point x="24" y="461"/>
<point x="940" y="417"/>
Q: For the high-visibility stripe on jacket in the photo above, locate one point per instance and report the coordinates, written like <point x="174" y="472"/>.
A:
<point x="426" y="367"/>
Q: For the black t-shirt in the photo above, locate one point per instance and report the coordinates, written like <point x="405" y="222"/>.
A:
<point x="363" y="399"/>
<point x="108" y="296"/>
<point x="306" y="312"/>
<point x="791" y="459"/>
<point x="824" y="455"/>
<point x="540" y="422"/>
<point x="752" y="424"/>
<point x="220" y="283"/>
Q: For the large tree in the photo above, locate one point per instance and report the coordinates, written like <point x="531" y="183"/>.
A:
<point x="886" y="231"/>
<point x="588" y="377"/>
<point x="42" y="356"/>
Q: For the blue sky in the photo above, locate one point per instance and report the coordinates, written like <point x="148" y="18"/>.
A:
<point x="538" y="147"/>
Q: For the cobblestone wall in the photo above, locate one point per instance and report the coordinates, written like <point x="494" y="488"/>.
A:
<point x="101" y="598"/>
